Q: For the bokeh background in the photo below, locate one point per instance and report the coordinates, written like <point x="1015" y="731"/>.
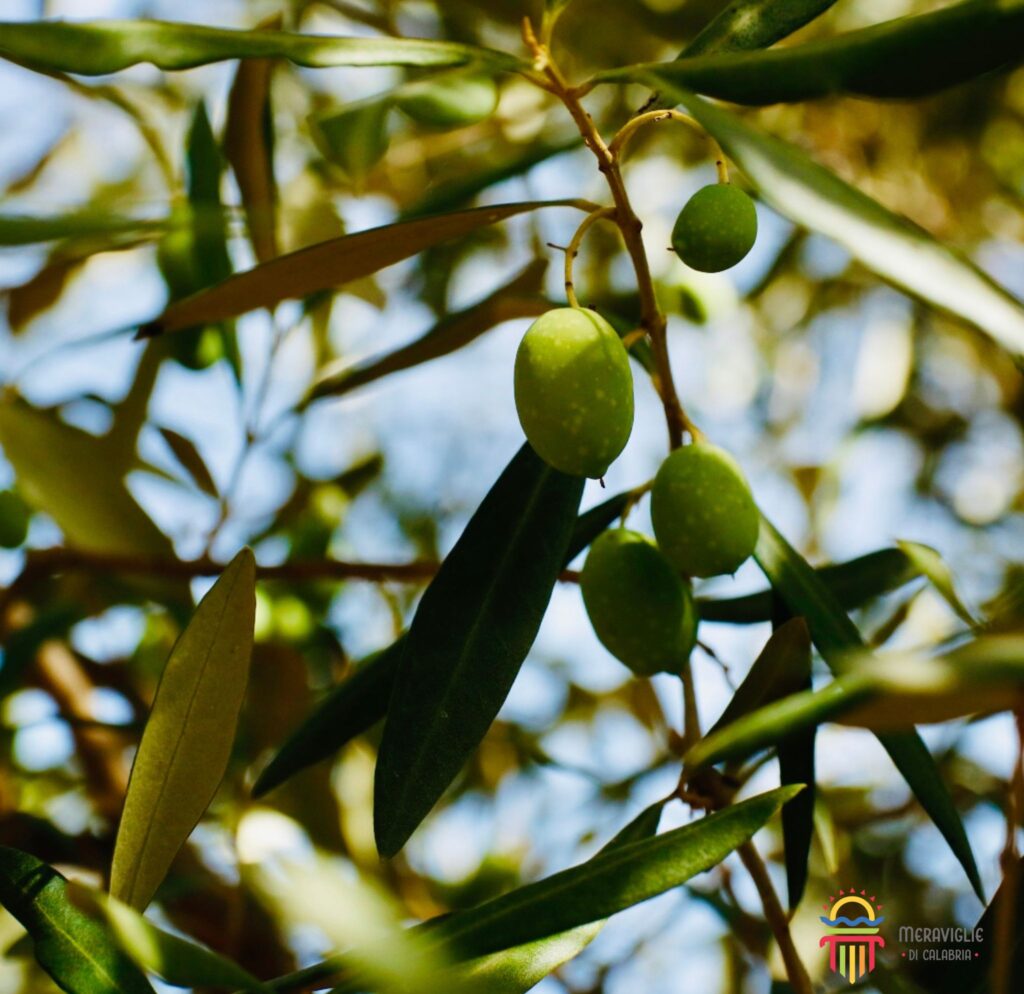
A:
<point x="859" y="416"/>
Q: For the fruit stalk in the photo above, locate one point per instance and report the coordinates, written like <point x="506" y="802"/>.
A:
<point x="651" y="318"/>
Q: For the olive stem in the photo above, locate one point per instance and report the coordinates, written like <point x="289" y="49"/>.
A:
<point x="651" y="317"/>
<point x="618" y="143"/>
<point x="573" y="249"/>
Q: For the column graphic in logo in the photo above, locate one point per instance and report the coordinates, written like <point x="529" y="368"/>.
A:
<point x="852" y="934"/>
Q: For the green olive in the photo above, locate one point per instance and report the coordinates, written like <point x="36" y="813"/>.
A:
<point x="14" y="517"/>
<point x="715" y="229"/>
<point x="574" y="391"/>
<point x="703" y="513"/>
<point x="639" y="607"/>
<point x="449" y="101"/>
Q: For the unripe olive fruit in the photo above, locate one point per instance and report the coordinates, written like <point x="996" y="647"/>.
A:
<point x="452" y="100"/>
<point x="639" y="607"/>
<point x="715" y="229"/>
<point x="703" y="513"/>
<point x="14" y="515"/>
<point x="574" y="391"/>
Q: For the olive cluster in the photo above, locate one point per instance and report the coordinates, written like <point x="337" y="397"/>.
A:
<point x="574" y="395"/>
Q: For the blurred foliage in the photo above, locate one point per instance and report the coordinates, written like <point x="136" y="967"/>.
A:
<point x="857" y="410"/>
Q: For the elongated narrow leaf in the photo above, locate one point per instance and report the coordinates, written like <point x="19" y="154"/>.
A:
<point x="188" y="456"/>
<point x="78" y="479"/>
<point x="852" y="584"/>
<point x="885" y="243"/>
<point x="939" y="575"/>
<point x="517" y="299"/>
<point x="751" y="24"/>
<point x="23" y="229"/>
<point x="188" y="738"/>
<point x="836" y="637"/>
<point x="783" y="668"/>
<point x="74" y="949"/>
<point x="249" y="147"/>
<point x="360" y="701"/>
<point x="330" y="264"/>
<point x="95" y="48"/>
<point x="177" y="961"/>
<point x="469" y="637"/>
<point x="908" y="57"/>
<point x="610" y="882"/>
<point x="519" y="969"/>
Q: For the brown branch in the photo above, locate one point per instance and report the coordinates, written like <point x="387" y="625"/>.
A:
<point x="43" y="562"/>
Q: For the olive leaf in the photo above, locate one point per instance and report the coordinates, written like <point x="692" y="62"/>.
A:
<point x="78" y="479"/>
<point x="836" y="637"/>
<point x="332" y="263"/>
<point x="612" y="881"/>
<point x="189" y="734"/>
<point x="360" y="701"/>
<point x="249" y="147"/>
<point x="518" y="298"/>
<point x="906" y="57"/>
<point x="177" y="961"/>
<point x="932" y="566"/>
<point x="887" y="244"/>
<point x="470" y="634"/>
<point x="25" y="229"/>
<point x="74" y="949"/>
<point x="852" y="584"/>
<point x="751" y="24"/>
<point x="96" y="48"/>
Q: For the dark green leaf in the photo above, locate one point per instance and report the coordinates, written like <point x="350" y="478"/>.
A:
<point x="886" y="243"/>
<point x="76" y="951"/>
<point x="907" y="57"/>
<point x="852" y="584"/>
<point x="360" y="701"/>
<point x="187" y="454"/>
<point x="189" y="734"/>
<point x="330" y="264"/>
<point x="469" y="637"/>
<point x="751" y="24"/>
<point x="95" y="48"/>
<point x="610" y="882"/>
<point x="836" y="637"/>
<point x="517" y="299"/>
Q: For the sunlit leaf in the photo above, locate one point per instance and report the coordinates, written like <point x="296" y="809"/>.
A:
<point x="931" y="565"/>
<point x="907" y="57"/>
<point x="361" y="700"/>
<point x="836" y="638"/>
<point x="78" y="479"/>
<point x="95" y="48"/>
<point x="175" y="960"/>
<point x="75" y="950"/>
<point x="189" y="734"/>
<point x="886" y="243"/>
<point x="468" y="639"/>
<point x="333" y="263"/>
<point x="517" y="299"/>
<point x="24" y="229"/>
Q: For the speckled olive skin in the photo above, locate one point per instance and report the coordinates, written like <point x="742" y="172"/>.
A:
<point x="715" y="229"/>
<point x="703" y="513"/>
<point x="574" y="391"/>
<point x="453" y="100"/>
<point x="640" y="609"/>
